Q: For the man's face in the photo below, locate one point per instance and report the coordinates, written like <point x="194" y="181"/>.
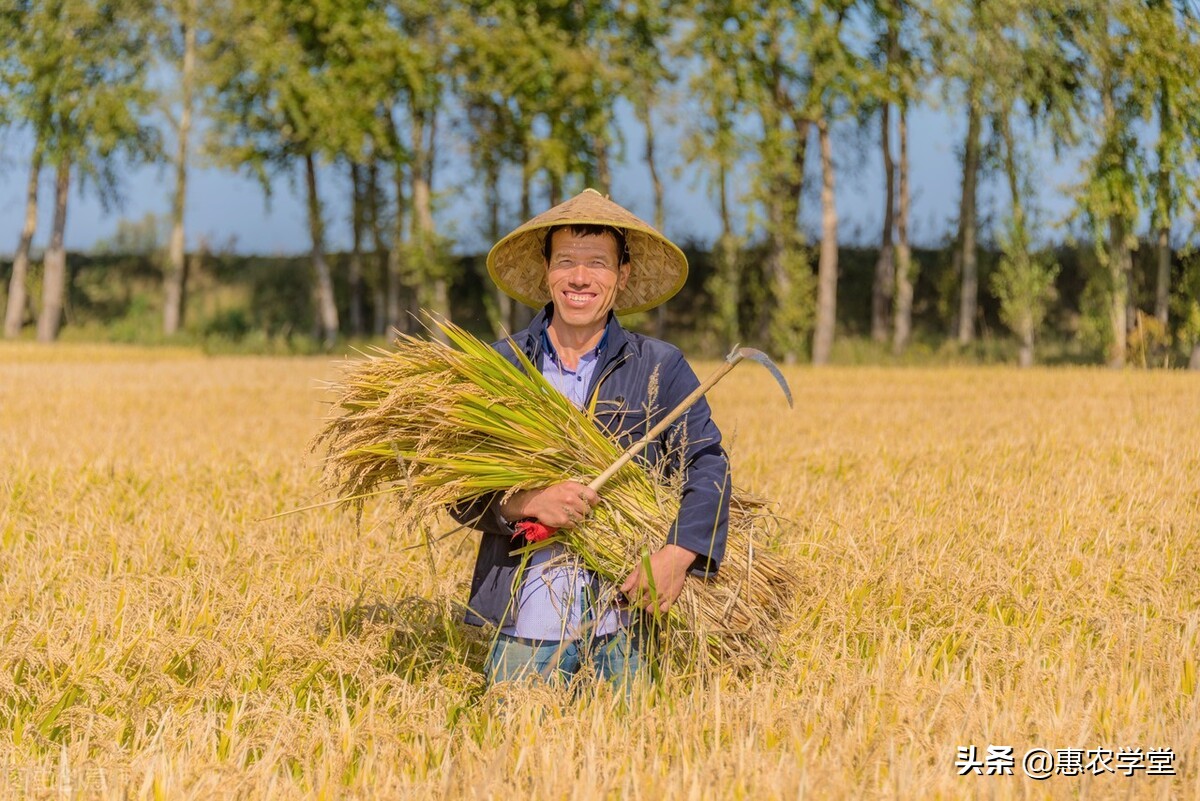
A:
<point x="584" y="275"/>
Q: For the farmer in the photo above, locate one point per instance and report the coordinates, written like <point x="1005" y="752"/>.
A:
<point x="582" y="263"/>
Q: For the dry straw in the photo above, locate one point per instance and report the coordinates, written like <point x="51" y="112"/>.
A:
<point x="435" y="424"/>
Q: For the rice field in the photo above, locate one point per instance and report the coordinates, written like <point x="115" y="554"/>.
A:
<point x="990" y="558"/>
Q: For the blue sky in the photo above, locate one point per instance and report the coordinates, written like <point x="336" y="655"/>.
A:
<point x="230" y="209"/>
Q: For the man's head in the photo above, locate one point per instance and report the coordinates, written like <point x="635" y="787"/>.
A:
<point x="586" y="266"/>
<point x="649" y="268"/>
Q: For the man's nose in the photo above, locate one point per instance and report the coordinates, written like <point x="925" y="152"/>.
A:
<point x="579" y="275"/>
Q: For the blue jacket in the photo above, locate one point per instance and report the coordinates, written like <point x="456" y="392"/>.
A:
<point x="621" y="386"/>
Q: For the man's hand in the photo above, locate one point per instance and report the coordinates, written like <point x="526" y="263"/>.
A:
<point x="557" y="506"/>
<point x="668" y="567"/>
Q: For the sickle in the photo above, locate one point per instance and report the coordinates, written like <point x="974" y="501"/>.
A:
<point x="535" y="531"/>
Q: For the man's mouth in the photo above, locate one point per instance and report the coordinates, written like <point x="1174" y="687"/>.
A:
<point x="578" y="298"/>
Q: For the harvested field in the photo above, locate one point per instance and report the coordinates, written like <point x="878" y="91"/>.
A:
<point x="990" y="557"/>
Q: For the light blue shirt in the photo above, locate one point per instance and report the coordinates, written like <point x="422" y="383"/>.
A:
<point x="555" y="601"/>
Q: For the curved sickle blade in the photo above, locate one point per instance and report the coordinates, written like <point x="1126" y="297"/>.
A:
<point x="737" y="354"/>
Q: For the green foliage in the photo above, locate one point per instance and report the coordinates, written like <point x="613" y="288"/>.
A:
<point x="142" y="237"/>
<point x="1185" y="303"/>
<point x="1024" y="284"/>
<point x="1095" y="324"/>
<point x="794" y="312"/>
<point x="76" y="73"/>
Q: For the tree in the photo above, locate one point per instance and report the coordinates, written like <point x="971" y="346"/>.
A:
<point x="19" y="87"/>
<point x="716" y="82"/>
<point x="181" y="23"/>
<point x="834" y="75"/>
<point x="902" y="87"/>
<point x="78" y="68"/>
<point x="1109" y="195"/>
<point x="1023" y="283"/>
<point x="297" y="82"/>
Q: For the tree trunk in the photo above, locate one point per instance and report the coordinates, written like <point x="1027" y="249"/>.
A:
<point x="827" y="266"/>
<point x="522" y="315"/>
<point x="885" y="266"/>
<point x="1194" y="362"/>
<point x="1162" y="286"/>
<point x="603" y="169"/>
<point x="1019" y="246"/>
<point x="54" y="278"/>
<point x="726" y="303"/>
<point x="1119" y="267"/>
<point x="904" y="270"/>
<point x="1162" y="289"/>
<point x="422" y="228"/>
<point x="357" y="223"/>
<point x="327" y="313"/>
<point x="503" y="311"/>
<point x="969" y="298"/>
<point x="379" y="318"/>
<point x="14" y="316"/>
<point x="1025" y="356"/>
<point x="400" y="284"/>
<point x="783" y="210"/>
<point x="176" y="276"/>
<point x="660" y="213"/>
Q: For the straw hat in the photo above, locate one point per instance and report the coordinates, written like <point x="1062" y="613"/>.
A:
<point x="657" y="267"/>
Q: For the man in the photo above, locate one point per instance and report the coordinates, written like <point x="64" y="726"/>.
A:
<point x="583" y="262"/>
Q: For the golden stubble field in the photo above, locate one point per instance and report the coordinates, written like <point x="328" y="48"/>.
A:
<point x="989" y="558"/>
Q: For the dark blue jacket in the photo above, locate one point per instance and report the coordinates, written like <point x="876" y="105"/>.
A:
<point x="621" y="386"/>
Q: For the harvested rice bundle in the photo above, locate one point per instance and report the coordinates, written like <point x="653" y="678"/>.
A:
<point x="436" y="425"/>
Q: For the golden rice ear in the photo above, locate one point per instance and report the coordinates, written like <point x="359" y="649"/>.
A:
<point x="657" y="267"/>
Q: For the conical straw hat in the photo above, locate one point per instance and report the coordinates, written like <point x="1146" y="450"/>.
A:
<point x="657" y="267"/>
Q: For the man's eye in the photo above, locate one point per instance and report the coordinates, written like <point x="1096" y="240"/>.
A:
<point x="599" y="265"/>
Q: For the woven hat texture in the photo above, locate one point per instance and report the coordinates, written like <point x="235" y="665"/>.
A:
<point x="658" y="268"/>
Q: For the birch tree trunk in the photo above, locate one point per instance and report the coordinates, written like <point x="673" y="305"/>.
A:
<point x="355" y="276"/>
<point x="521" y="314"/>
<point x="379" y="319"/>
<point x="904" y="271"/>
<point x="1119" y="267"/>
<point x="400" y="283"/>
<point x="827" y="266"/>
<point x="1020" y="236"/>
<point x="176" y="274"/>
<point x="883" y="286"/>
<point x="503" y="314"/>
<point x="1162" y="286"/>
<point x="18" y="299"/>
<point x="422" y="227"/>
<point x="327" y="314"/>
<point x="967" y="227"/>
<point x="54" y="279"/>
<point x="660" y="213"/>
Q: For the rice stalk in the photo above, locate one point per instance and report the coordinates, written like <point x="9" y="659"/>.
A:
<point x="437" y="424"/>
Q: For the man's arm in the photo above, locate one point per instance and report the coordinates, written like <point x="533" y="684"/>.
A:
<point x="696" y="542"/>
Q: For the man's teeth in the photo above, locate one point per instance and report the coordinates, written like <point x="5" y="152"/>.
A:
<point x="578" y="298"/>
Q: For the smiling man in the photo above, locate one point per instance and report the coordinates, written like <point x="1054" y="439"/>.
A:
<point x="582" y="263"/>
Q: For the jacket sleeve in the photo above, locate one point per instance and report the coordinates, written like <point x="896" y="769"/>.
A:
<point x="693" y="443"/>
<point x="482" y="514"/>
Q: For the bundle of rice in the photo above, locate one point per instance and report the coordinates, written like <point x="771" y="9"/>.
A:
<point x="436" y="425"/>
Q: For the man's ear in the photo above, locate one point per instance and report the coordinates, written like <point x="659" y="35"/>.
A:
<point x="623" y="274"/>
